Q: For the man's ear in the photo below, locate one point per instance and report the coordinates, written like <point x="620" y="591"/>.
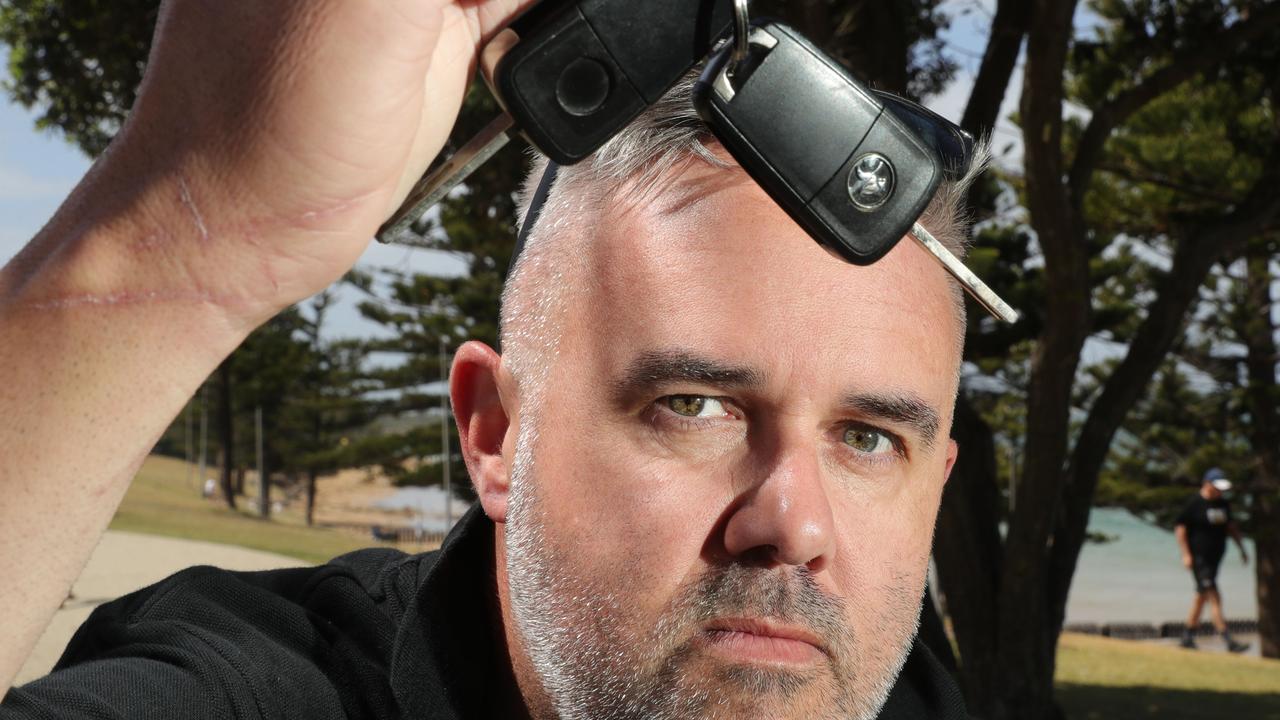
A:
<point x="483" y="422"/>
<point x="953" y="451"/>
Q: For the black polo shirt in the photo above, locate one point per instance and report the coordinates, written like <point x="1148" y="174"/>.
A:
<point x="1206" y="522"/>
<point x="372" y="635"/>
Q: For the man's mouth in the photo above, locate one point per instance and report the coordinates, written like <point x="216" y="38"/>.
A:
<point x="763" y="640"/>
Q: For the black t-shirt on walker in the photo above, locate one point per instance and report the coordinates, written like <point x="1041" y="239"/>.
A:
<point x="1206" y="522"/>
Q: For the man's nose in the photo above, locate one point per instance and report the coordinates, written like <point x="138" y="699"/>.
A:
<point x="785" y="517"/>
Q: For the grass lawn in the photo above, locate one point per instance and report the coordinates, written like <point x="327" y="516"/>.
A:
<point x="1104" y="679"/>
<point x="160" y="502"/>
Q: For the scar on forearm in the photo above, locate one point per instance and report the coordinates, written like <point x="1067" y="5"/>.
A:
<point x="184" y="195"/>
<point x="255" y="231"/>
<point x="128" y="298"/>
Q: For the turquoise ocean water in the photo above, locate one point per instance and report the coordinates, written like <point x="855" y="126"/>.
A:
<point x="1139" y="577"/>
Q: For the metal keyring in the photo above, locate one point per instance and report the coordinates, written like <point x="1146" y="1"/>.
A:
<point x="741" y="30"/>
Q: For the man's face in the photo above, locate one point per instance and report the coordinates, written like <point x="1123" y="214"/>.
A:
<point x="729" y="504"/>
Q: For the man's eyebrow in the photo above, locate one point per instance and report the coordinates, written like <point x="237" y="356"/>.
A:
<point x="898" y="408"/>
<point x="656" y="367"/>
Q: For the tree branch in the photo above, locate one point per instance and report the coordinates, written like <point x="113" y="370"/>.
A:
<point x="1008" y="28"/>
<point x="1140" y="176"/>
<point x="1183" y="66"/>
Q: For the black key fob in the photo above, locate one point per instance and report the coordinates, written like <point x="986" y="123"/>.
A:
<point x="584" y="69"/>
<point x="821" y="144"/>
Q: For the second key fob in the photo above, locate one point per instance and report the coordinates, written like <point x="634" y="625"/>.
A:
<point x="846" y="169"/>
<point x="584" y="69"/>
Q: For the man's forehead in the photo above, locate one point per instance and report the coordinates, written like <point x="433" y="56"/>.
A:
<point x="707" y="259"/>
<point x="697" y="221"/>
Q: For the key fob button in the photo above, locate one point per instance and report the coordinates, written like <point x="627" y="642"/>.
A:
<point x="583" y="87"/>
<point x="871" y="181"/>
<point x="565" y="105"/>
<point x="584" y="69"/>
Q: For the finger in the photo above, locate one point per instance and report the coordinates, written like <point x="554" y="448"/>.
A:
<point x="494" y="52"/>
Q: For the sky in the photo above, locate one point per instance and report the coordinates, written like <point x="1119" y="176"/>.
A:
<point x="38" y="169"/>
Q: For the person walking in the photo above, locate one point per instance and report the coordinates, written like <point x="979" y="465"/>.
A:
<point x="1202" y="530"/>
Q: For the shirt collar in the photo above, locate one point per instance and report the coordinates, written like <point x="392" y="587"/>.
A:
<point x="445" y="659"/>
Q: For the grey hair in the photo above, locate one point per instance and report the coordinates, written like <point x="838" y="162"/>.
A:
<point x="666" y="135"/>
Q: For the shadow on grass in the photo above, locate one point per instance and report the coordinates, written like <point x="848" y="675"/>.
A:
<point x="1096" y="702"/>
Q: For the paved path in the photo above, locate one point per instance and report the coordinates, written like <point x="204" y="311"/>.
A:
<point x="1214" y="644"/>
<point x="124" y="562"/>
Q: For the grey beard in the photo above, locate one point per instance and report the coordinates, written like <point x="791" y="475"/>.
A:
<point x="591" y="668"/>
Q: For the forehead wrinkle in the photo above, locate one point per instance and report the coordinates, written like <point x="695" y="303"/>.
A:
<point x="907" y="408"/>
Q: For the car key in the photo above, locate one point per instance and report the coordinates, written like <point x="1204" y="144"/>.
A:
<point x="581" y="71"/>
<point x="847" y="165"/>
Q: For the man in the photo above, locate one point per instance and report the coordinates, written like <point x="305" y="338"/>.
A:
<point x="1202" y="529"/>
<point x="708" y="459"/>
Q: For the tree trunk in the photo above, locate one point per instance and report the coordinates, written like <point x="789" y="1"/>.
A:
<point x="1263" y="395"/>
<point x="311" y="497"/>
<point x="1266" y="539"/>
<point x="967" y="546"/>
<point x="225" y="425"/>
<point x="1026" y="637"/>
<point x="264" y="497"/>
<point x="967" y="550"/>
<point x="264" y="473"/>
<point x="1008" y="28"/>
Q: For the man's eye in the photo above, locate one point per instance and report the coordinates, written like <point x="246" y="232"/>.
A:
<point x="699" y="406"/>
<point x="868" y="441"/>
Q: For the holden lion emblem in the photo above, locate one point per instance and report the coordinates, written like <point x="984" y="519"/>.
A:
<point x="871" y="181"/>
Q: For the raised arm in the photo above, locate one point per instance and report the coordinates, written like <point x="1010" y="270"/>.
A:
<point x="269" y="141"/>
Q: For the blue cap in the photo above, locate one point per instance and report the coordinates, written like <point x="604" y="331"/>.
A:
<point x="1218" y="478"/>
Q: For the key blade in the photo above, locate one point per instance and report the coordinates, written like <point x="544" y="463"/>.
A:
<point x="434" y="186"/>
<point x="972" y="284"/>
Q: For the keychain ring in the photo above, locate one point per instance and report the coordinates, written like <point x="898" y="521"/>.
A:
<point x="741" y="30"/>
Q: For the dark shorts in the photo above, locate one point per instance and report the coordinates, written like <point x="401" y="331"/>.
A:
<point x="1205" y="572"/>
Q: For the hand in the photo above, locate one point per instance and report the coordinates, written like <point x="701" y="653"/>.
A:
<point x="277" y="136"/>
<point x="1186" y="560"/>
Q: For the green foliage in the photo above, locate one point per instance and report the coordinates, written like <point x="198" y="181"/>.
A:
<point x="78" y="62"/>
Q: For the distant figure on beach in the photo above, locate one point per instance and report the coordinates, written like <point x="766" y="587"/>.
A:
<point x="1202" y="530"/>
